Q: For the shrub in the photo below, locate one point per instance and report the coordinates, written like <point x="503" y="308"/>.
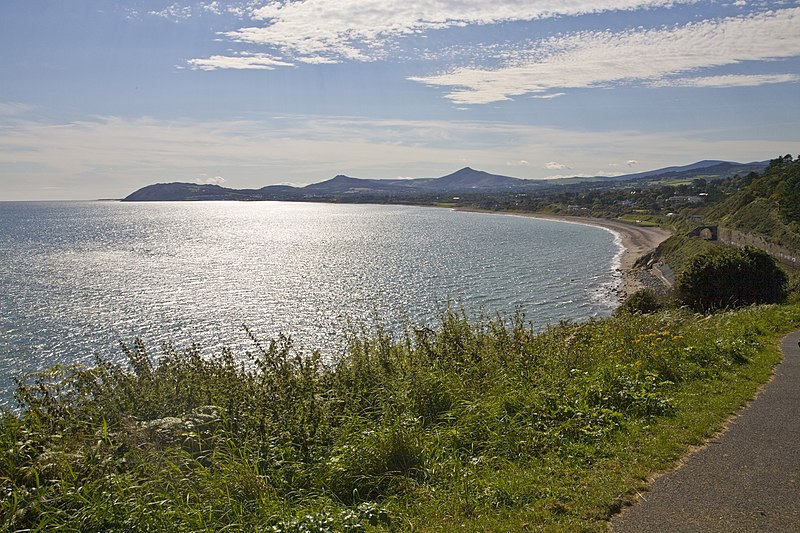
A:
<point x="642" y="301"/>
<point x="793" y="288"/>
<point x="728" y="277"/>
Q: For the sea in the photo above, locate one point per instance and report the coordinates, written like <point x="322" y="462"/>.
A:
<point x="79" y="278"/>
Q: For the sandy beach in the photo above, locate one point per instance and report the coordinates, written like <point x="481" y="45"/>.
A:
<point x="636" y="240"/>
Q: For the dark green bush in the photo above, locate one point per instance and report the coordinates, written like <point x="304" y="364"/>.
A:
<point x="727" y="277"/>
<point x="642" y="301"/>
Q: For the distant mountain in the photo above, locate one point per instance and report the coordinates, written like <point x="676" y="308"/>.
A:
<point x="345" y="185"/>
<point x="168" y="192"/>
<point x="468" y="179"/>
<point x="464" y="181"/>
<point x="171" y="192"/>
<point x="675" y="169"/>
<point x="708" y="169"/>
<point x="461" y="181"/>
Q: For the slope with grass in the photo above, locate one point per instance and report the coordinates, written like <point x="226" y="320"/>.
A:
<point x="486" y="426"/>
<point x="769" y="205"/>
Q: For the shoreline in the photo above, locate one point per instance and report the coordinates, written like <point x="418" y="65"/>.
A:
<point x="636" y="242"/>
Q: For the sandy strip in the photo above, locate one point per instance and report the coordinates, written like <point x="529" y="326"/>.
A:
<point x="636" y="241"/>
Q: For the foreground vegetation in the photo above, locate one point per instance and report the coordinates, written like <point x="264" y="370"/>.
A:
<point x="485" y="426"/>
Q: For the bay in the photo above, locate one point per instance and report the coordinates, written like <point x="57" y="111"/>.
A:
<point x="76" y="278"/>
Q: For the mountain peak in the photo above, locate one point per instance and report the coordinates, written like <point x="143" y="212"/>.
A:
<point x="469" y="178"/>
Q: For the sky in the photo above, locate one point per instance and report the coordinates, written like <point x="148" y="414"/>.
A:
<point x="99" y="98"/>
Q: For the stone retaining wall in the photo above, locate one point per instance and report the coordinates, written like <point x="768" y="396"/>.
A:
<point x="780" y="253"/>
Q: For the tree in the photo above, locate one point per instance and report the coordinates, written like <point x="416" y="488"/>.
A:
<point x="727" y="277"/>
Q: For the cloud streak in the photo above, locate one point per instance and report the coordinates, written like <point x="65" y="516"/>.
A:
<point x="649" y="56"/>
<point x="240" y="61"/>
<point x="362" y="30"/>
<point x="730" y="80"/>
<point x="174" y="12"/>
<point x="15" y="108"/>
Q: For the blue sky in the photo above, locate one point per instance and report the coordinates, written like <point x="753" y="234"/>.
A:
<point x="99" y="98"/>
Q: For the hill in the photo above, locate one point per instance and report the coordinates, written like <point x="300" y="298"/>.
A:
<point x="766" y="204"/>
<point x="340" y="186"/>
<point x="464" y="181"/>
<point x="345" y="185"/>
<point x="471" y="179"/>
<point x="173" y="192"/>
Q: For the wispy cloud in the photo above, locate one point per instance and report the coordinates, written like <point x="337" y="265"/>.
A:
<point x="15" y="108"/>
<point x="212" y="7"/>
<point x="548" y="96"/>
<point x="729" y="80"/>
<point x="174" y="12"/>
<point x="210" y="180"/>
<point x="361" y="30"/>
<point x="242" y="60"/>
<point x="650" y="56"/>
<point x="183" y="11"/>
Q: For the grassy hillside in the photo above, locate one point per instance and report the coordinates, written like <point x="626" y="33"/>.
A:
<point x="483" y="426"/>
<point x="768" y="205"/>
<point x="679" y="249"/>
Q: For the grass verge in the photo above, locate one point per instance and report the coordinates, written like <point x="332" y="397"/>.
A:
<point x="477" y="426"/>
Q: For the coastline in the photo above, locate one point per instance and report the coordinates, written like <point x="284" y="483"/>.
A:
<point x="636" y="241"/>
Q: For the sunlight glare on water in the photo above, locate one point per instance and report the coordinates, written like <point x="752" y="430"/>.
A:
<point x="78" y="278"/>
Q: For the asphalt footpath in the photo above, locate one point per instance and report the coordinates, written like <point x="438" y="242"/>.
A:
<point x="747" y="479"/>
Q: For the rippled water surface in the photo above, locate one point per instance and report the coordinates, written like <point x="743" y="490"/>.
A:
<point x="76" y="278"/>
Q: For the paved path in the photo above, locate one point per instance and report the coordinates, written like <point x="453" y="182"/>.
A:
<point x="746" y="480"/>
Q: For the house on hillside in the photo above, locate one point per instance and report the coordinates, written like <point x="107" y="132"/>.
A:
<point x="685" y="199"/>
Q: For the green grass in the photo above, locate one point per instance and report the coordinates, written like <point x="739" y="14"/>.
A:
<point x="640" y="219"/>
<point x="473" y="426"/>
<point x="678" y="250"/>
